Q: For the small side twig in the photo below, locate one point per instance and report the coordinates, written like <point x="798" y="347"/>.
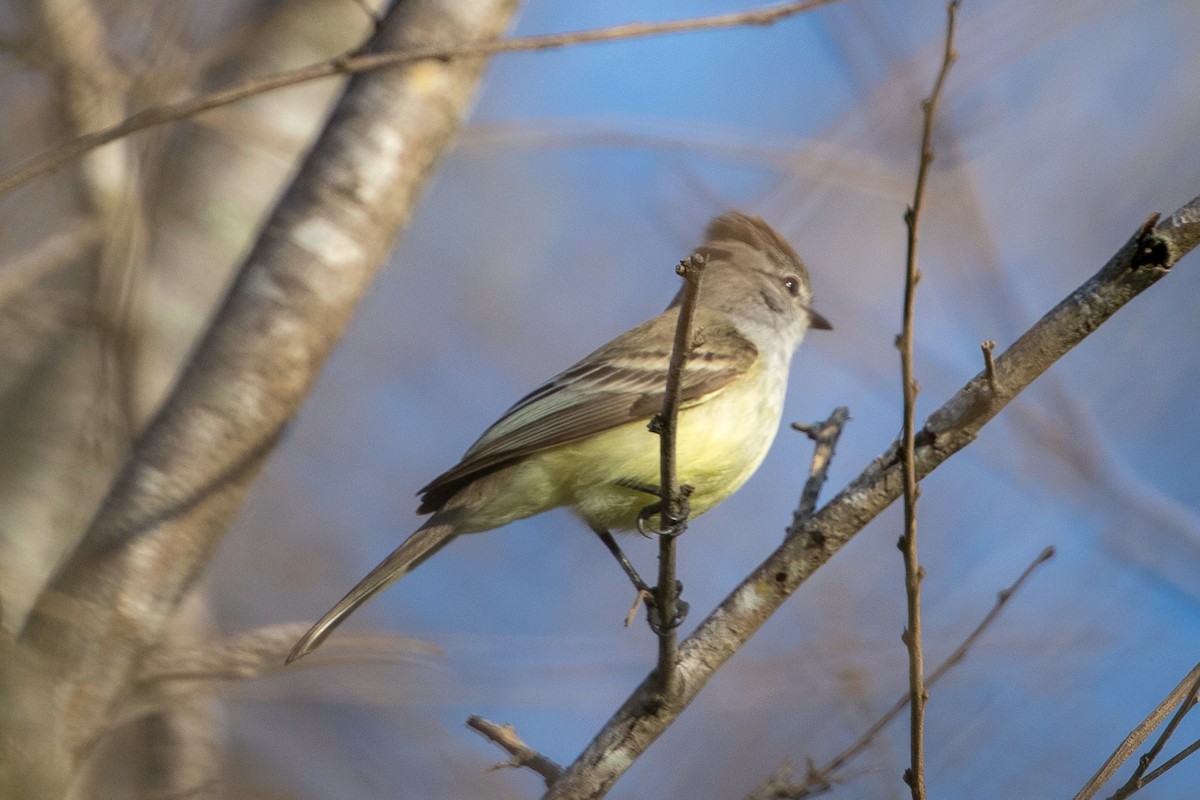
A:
<point x="522" y="754"/>
<point x="1183" y="696"/>
<point x="825" y="434"/>
<point x="1170" y="762"/>
<point x="914" y="776"/>
<point x="673" y="497"/>
<point x="819" y="779"/>
<point x="989" y="364"/>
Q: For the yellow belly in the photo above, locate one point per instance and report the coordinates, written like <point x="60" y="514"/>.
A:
<point x="721" y="441"/>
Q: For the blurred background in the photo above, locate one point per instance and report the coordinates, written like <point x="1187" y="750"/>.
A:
<point x="554" y="223"/>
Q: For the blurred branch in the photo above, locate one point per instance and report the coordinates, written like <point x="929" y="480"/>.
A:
<point x="183" y="736"/>
<point x="914" y="776"/>
<point x="240" y="657"/>
<point x="820" y="779"/>
<point x="522" y="754"/>
<point x="355" y="63"/>
<point x="72" y="43"/>
<point x="287" y="308"/>
<point x="49" y="255"/>
<point x="261" y="651"/>
<point x="1183" y="696"/>
<point x="93" y="92"/>
<point x="1141" y="262"/>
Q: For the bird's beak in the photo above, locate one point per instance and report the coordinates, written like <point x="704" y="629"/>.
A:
<point x="818" y="322"/>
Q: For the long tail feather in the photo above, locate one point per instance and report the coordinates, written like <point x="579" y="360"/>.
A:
<point x="427" y="540"/>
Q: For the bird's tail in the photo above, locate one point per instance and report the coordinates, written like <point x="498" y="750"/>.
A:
<point x="424" y="542"/>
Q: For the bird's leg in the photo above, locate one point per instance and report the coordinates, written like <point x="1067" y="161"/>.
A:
<point x="623" y="560"/>
<point x="644" y="593"/>
<point x="669" y="522"/>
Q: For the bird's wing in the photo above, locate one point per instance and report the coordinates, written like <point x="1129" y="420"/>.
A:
<point x="609" y="388"/>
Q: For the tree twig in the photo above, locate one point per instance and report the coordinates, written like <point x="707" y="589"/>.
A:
<point x="1168" y="764"/>
<point x="914" y="776"/>
<point x="522" y="754"/>
<point x="1145" y="259"/>
<point x="825" y="434"/>
<point x="355" y="63"/>
<point x="989" y="363"/>
<point x="673" y="511"/>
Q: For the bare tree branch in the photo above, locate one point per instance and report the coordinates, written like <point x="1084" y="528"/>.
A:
<point x="1183" y="696"/>
<point x="1168" y="764"/>
<point x="289" y="305"/>
<point x="259" y="652"/>
<point x="1141" y="262"/>
<point x="72" y="40"/>
<point x="1138" y="779"/>
<point x="522" y="754"/>
<point x="94" y="92"/>
<point x="825" y="434"/>
<point x="914" y="776"/>
<point x="672" y="505"/>
<point x="354" y="63"/>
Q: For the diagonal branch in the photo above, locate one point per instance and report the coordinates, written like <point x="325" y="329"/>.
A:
<point x="356" y="63"/>
<point x="1141" y="262"/>
<point x="1183" y="696"/>
<point x="1139" y="778"/>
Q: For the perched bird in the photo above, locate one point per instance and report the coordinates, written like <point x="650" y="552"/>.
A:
<point x="580" y="440"/>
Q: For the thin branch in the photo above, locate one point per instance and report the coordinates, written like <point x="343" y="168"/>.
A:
<point x="826" y="434"/>
<point x="820" y="778"/>
<point x="1144" y="260"/>
<point x="673" y="510"/>
<point x="1181" y="694"/>
<point x="913" y="572"/>
<point x="1169" y="763"/>
<point x="522" y="754"/>
<point x="259" y="652"/>
<point x="354" y="63"/>
<point x="50" y="254"/>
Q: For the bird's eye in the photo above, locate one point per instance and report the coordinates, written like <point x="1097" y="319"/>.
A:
<point x="792" y="284"/>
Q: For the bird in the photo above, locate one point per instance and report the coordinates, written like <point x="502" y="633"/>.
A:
<point x="580" y="440"/>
